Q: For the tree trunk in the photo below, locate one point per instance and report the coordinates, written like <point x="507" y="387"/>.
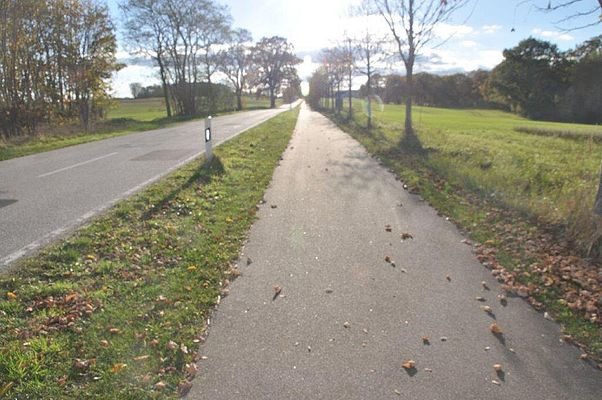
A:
<point x="164" y="84"/>
<point x="410" y="141"/>
<point x="598" y="203"/>
<point x="272" y="98"/>
<point x="350" y="115"/>
<point x="239" y="100"/>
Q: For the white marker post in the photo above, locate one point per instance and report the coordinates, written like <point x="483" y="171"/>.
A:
<point x="208" y="145"/>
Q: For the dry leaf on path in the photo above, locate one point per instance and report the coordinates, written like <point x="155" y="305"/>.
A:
<point x="406" y="235"/>
<point x="409" y="364"/>
<point x="497" y="367"/>
<point x="388" y="228"/>
<point x="160" y="385"/>
<point x="495" y="329"/>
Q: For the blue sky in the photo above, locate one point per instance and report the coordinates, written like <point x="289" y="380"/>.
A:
<point x="479" y="33"/>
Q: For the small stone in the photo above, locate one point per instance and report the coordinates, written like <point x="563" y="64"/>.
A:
<point x="346" y="324"/>
<point x="444" y="338"/>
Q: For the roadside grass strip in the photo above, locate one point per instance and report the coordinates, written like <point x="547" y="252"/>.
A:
<point x="524" y="199"/>
<point x="119" y="309"/>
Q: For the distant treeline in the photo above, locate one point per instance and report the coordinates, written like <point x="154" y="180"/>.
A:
<point x="535" y="80"/>
<point x="451" y="91"/>
<point x="210" y="97"/>
<point x="56" y="57"/>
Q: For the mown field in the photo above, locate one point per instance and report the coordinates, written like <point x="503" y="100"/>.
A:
<point x="524" y="190"/>
<point x="125" y="116"/>
<point x="544" y="169"/>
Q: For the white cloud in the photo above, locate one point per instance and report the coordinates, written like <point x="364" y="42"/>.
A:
<point x="132" y="73"/>
<point x="468" y="43"/>
<point x="565" y="37"/>
<point x="490" y="29"/>
<point x="445" y="31"/>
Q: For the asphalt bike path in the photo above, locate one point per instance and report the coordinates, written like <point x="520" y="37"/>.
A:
<point x="346" y="276"/>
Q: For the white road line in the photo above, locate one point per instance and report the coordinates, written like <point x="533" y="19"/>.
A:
<point x="76" y="165"/>
<point x="57" y="233"/>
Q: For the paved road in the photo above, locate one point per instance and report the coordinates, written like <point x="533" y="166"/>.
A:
<point x="45" y="195"/>
<point x="346" y="319"/>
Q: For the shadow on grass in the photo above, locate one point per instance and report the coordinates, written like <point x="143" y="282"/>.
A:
<point x="203" y="175"/>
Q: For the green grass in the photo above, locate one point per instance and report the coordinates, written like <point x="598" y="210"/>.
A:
<point x="120" y="306"/>
<point x="139" y="109"/>
<point x="505" y="188"/>
<point x="126" y="117"/>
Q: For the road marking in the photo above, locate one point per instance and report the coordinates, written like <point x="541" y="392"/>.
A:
<point x="70" y="226"/>
<point x="76" y="165"/>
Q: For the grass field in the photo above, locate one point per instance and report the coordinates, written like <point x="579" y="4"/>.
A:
<point x="481" y="150"/>
<point x="127" y="116"/>
<point x="118" y="310"/>
<point x="525" y="197"/>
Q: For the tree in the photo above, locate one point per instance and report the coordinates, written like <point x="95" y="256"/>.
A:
<point x="56" y="59"/>
<point x="274" y="62"/>
<point x="368" y="52"/>
<point x="181" y="36"/>
<point x="411" y="25"/>
<point x="531" y="79"/>
<point x="578" y="14"/>
<point x="234" y="62"/>
<point x="136" y="88"/>
<point x="146" y="32"/>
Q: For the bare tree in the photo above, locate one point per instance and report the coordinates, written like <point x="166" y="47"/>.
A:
<point x="146" y="32"/>
<point x="234" y="62"/>
<point x="577" y="14"/>
<point x="411" y="24"/>
<point x="274" y="62"/>
<point x="368" y="52"/>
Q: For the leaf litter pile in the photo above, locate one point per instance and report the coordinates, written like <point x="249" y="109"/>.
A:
<point x="119" y="309"/>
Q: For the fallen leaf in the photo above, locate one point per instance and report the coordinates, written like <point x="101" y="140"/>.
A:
<point x="141" y="358"/>
<point x="191" y="268"/>
<point x="479" y="298"/>
<point x="428" y="370"/>
<point x="495" y="329"/>
<point x="274" y="206"/>
<point x="114" y="331"/>
<point x="485" y="286"/>
<point x="397" y="392"/>
<point x="425" y="340"/>
<point x="409" y="364"/>
<point x="160" y="385"/>
<point x="388" y="228"/>
<point x="171" y="345"/>
<point x="487" y="309"/>
<point x="61" y="381"/>
<point x="277" y="290"/>
<point x="118" y="367"/>
<point x="191" y="370"/>
<point x="448" y="278"/>
<point x="11" y="295"/>
<point x="82" y="364"/>
<point x="495" y="382"/>
<point x="406" y="235"/>
<point x="497" y="367"/>
<point x="184" y="387"/>
<point x="387" y="259"/>
<point x="104" y="343"/>
<point x="249" y="261"/>
<point x="346" y="324"/>
<point x="443" y="338"/>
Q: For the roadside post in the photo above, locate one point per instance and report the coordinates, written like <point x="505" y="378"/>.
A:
<point x="208" y="143"/>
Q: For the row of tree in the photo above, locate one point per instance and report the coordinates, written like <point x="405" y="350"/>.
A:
<point x="55" y="59"/>
<point x="190" y="41"/>
<point x="535" y="79"/>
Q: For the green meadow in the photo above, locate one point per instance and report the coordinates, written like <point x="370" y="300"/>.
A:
<point x="545" y="170"/>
